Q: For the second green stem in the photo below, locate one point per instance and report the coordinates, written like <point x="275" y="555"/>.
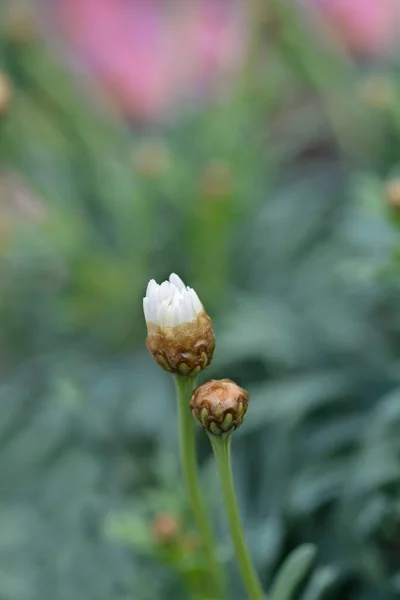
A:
<point x="221" y="447"/>
<point x="184" y="387"/>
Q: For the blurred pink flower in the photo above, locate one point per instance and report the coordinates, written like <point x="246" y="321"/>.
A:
<point x="148" y="53"/>
<point x="365" y="27"/>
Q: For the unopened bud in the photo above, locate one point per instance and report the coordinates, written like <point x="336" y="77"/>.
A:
<point x="5" y="93"/>
<point x="219" y="406"/>
<point x="152" y="158"/>
<point x="166" y="528"/>
<point x="392" y="194"/>
<point x="378" y="92"/>
<point x="217" y="179"/>
<point x="179" y="331"/>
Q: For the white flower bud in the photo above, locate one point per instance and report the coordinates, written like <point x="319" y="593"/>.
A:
<point x="180" y="335"/>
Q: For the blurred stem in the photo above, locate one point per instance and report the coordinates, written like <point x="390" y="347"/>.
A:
<point x="222" y="452"/>
<point x="184" y="388"/>
<point x="209" y="235"/>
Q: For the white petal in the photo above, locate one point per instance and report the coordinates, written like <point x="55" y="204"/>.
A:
<point x="193" y="308"/>
<point x="146" y="308"/>
<point x="158" y="309"/>
<point x="167" y="316"/>
<point x="177" y="282"/>
<point x="164" y="291"/>
<point x="152" y="310"/>
<point x="173" y="293"/>
<point x="171" y="303"/>
<point x="170" y="312"/>
<point x="197" y="305"/>
<point x="176" y="316"/>
<point x="152" y="288"/>
<point x="185" y="311"/>
<point x="165" y="311"/>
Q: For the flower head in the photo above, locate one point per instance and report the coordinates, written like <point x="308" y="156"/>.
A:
<point x="219" y="406"/>
<point x="365" y="28"/>
<point x="150" y="55"/>
<point x="171" y="303"/>
<point x="180" y="335"/>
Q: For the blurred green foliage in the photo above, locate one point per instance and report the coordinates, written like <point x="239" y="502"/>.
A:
<point x="271" y="204"/>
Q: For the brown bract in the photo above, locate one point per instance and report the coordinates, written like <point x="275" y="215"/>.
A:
<point x="184" y="349"/>
<point x="219" y="405"/>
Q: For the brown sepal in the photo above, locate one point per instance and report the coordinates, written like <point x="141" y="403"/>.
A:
<point x="184" y="349"/>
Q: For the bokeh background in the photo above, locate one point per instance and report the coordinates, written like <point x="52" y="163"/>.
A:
<point x="254" y="148"/>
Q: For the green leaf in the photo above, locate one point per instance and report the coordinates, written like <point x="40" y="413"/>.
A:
<point x="292" y="572"/>
<point x="321" y="584"/>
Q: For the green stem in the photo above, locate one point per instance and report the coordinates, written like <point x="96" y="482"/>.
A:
<point x="184" y="388"/>
<point x="222" y="451"/>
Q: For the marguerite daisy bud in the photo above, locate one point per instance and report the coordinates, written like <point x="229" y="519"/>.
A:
<point x="219" y="406"/>
<point x="392" y="194"/>
<point x="179" y="331"/>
